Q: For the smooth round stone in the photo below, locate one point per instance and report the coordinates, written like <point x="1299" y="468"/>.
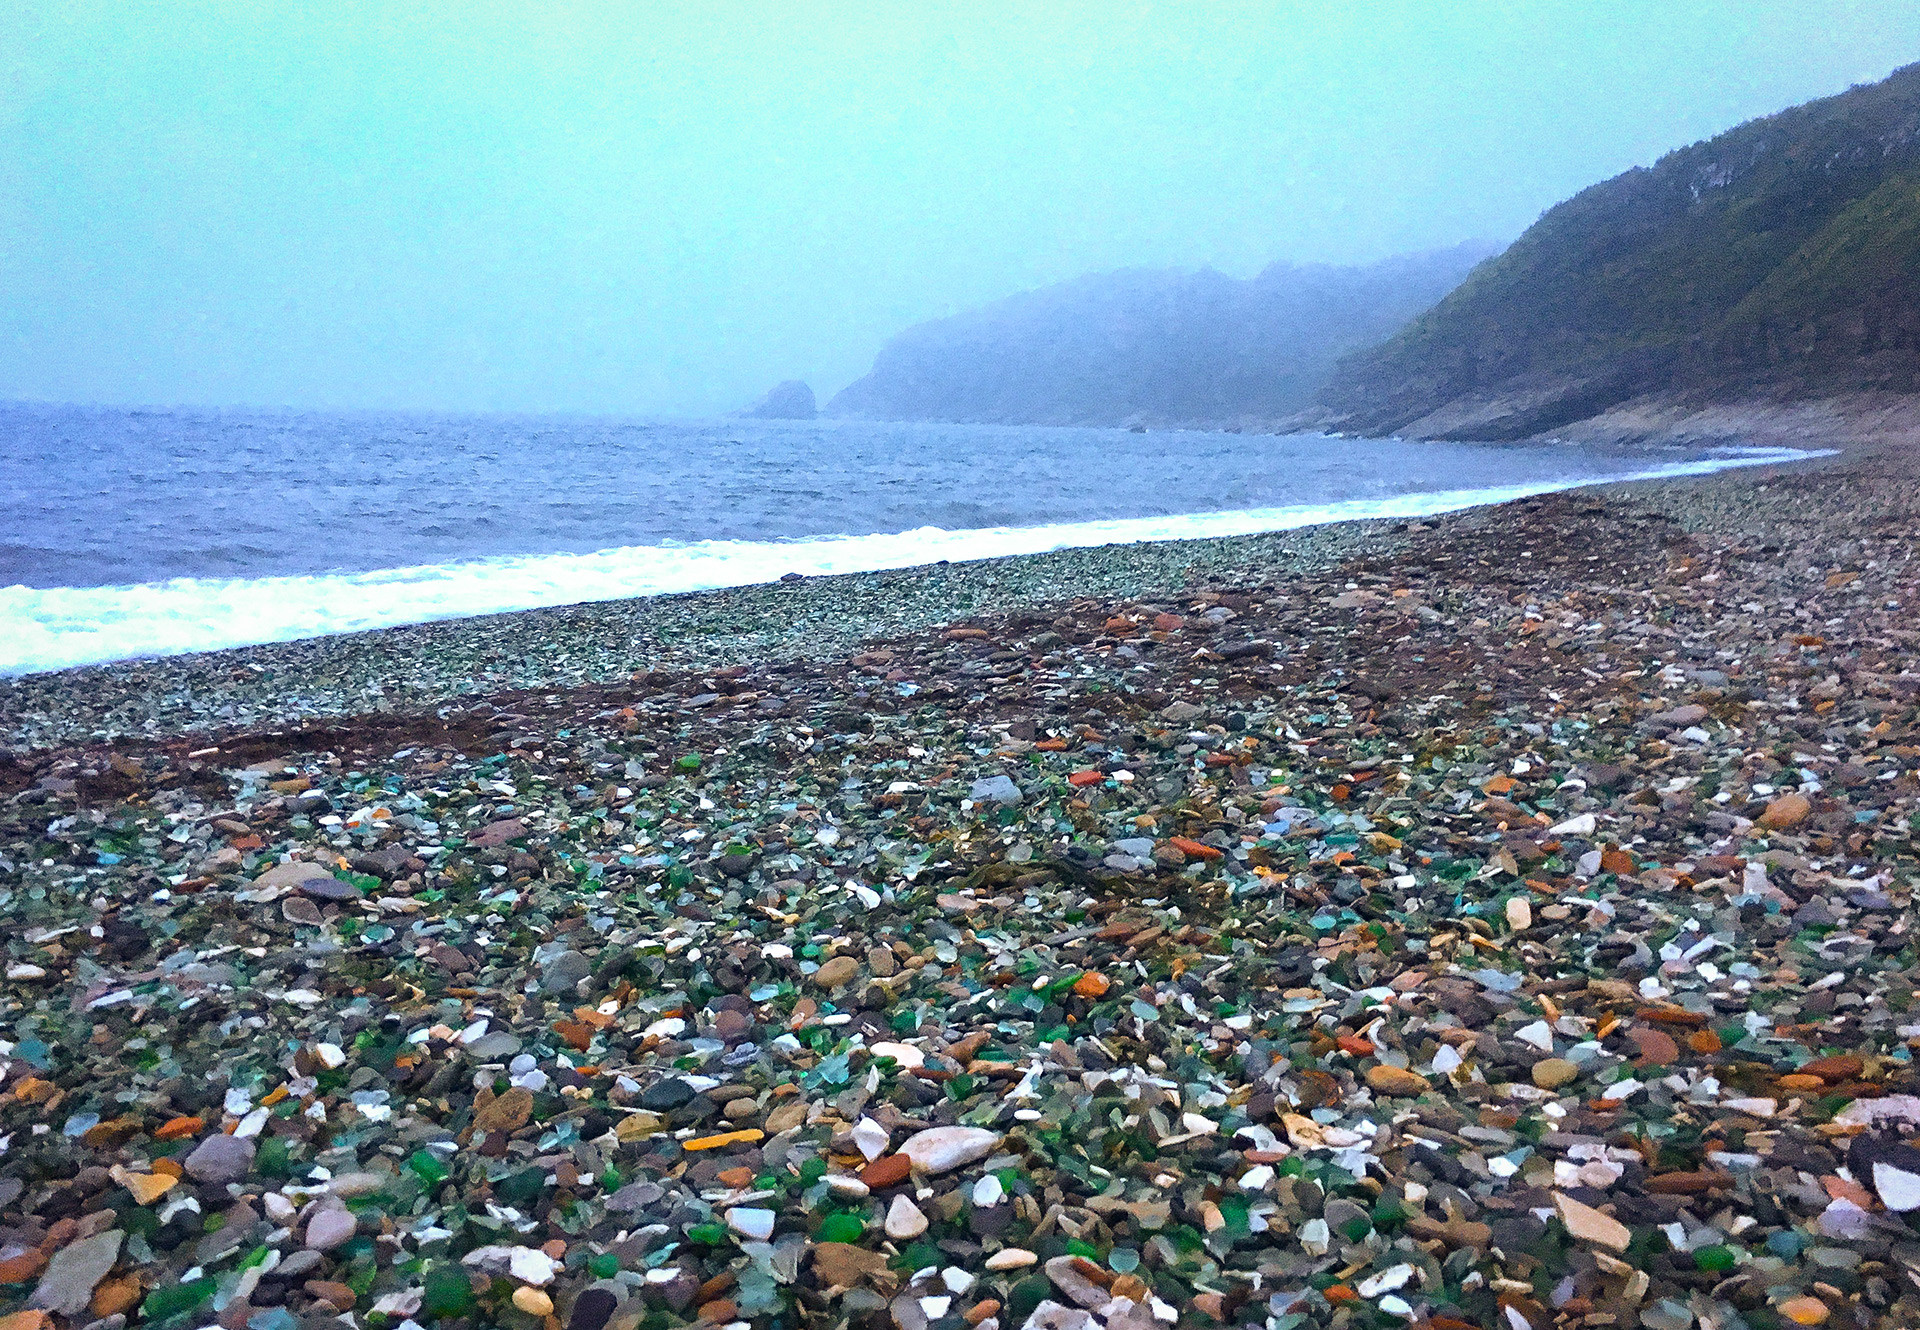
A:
<point x="327" y="1228"/>
<point x="532" y="1301"/>
<point x="1552" y="1073"/>
<point x="1805" y="1310"/>
<point x="220" y="1159"/>
<point x="1011" y="1258"/>
<point x="1396" y="1082"/>
<point x="905" y="1054"/>
<point x="939" y="1149"/>
<point x="357" y="1184"/>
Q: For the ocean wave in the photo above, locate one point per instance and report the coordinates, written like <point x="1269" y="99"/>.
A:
<point x="50" y="628"/>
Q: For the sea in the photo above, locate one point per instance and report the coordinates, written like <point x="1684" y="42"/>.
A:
<point x="147" y="532"/>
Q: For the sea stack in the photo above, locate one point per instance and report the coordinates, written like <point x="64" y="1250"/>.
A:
<point x="791" y="400"/>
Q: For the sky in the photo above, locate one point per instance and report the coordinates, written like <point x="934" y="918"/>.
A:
<point x="664" y="209"/>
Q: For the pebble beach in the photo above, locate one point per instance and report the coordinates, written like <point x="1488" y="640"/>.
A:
<point x="1502" y="919"/>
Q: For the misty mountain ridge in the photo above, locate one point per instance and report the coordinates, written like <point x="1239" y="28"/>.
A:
<point x="1147" y="346"/>
<point x="1779" y="259"/>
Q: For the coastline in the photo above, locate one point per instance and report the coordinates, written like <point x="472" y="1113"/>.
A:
<point x="1353" y="898"/>
<point x="411" y="666"/>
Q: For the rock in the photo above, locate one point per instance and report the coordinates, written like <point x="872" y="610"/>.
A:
<point x="1092" y="984"/>
<point x="1589" y="1225"/>
<point x="1657" y="1047"/>
<point x="1835" y="1070"/>
<point x="1011" y="1258"/>
<point x="494" y="1046"/>
<point x="290" y="877"/>
<point x="847" y="1187"/>
<point x="1805" y="1310"/>
<point x="116" y="1296"/>
<point x="68" y="1283"/>
<point x="845" y="1265"/>
<point x="298" y="1263"/>
<point x="532" y="1301"/>
<point x="530" y="1265"/>
<point x="667" y="1095"/>
<point x="635" y="1197"/>
<point x="220" y="1159"/>
<point x="1397" y="1082"/>
<point x="836" y="972"/>
<point x="1385" y="1281"/>
<point x="751" y="1222"/>
<point x="496" y="834"/>
<point x="593" y="1309"/>
<point x="788" y="400"/>
<point x="1181" y="713"/>
<point x="904" y="1220"/>
<point x="1890" y="1167"/>
<point x="942" y="1149"/>
<point x="564" y="972"/>
<point x="1050" y="1315"/>
<point x="1786" y="812"/>
<point x="300" y="910"/>
<point x="328" y="1227"/>
<point x="906" y="1055"/>
<point x="787" y="1116"/>
<point x="886" y="1171"/>
<point x="1519" y="914"/>
<point x="870" y="1138"/>
<point x="327" y="887"/>
<point x="509" y="1110"/>
<point x="882" y="962"/>
<point x="145" y="1188"/>
<point x="338" y="1296"/>
<point x="996" y="790"/>
<point x="1070" y="1274"/>
<point x="1552" y="1073"/>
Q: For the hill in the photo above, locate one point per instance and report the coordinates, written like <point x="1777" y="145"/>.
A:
<point x="1779" y="258"/>
<point x="1150" y="346"/>
<point x="789" y="400"/>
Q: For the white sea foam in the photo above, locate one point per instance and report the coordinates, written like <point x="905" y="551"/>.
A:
<point x="57" y="627"/>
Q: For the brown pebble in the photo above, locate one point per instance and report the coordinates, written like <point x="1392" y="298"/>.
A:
<point x="1396" y="1081"/>
<point x="887" y="1171"/>
<point x="1833" y="1070"/>
<point x="1657" y="1048"/>
<point x="332" y="1292"/>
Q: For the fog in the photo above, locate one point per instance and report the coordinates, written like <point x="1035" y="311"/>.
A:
<point x="665" y="209"/>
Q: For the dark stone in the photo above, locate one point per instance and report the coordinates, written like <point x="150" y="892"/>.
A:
<point x="592" y="1310"/>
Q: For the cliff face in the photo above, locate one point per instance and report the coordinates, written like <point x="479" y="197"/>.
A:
<point x="1782" y="256"/>
<point x="1149" y="346"/>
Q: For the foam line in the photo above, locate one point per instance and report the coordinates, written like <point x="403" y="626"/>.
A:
<point x="50" y="628"/>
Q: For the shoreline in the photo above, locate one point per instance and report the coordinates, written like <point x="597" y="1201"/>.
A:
<point x="411" y="666"/>
<point x="1483" y="899"/>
